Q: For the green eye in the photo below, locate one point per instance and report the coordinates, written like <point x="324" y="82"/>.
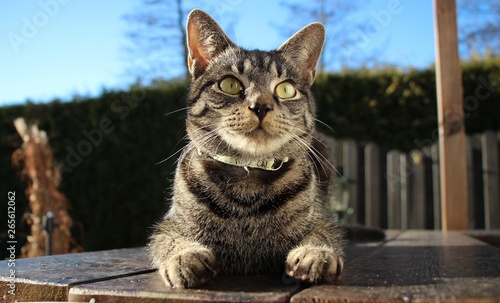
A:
<point x="231" y="85"/>
<point x="285" y="90"/>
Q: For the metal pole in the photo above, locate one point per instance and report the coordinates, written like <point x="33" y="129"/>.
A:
<point x="48" y="226"/>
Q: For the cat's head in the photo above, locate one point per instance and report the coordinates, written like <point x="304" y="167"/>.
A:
<point x="250" y="104"/>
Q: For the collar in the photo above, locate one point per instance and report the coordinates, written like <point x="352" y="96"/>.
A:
<point x="264" y="164"/>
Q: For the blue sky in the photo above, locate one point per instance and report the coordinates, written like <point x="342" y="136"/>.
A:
<point x="64" y="48"/>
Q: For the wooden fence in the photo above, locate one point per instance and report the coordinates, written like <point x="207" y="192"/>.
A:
<point x="391" y="189"/>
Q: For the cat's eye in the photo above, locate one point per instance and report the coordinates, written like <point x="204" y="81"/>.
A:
<point x="230" y="85"/>
<point x="285" y="90"/>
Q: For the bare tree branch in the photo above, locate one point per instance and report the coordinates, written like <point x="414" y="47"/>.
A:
<point x="336" y="16"/>
<point x="157" y="35"/>
<point x="479" y="26"/>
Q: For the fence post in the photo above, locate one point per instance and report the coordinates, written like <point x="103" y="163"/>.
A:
<point x="372" y="185"/>
<point x="405" y="190"/>
<point x="469" y="154"/>
<point x="436" y="189"/>
<point x="393" y="177"/>
<point x="489" y="147"/>
<point x="350" y="164"/>
<point x="450" y="120"/>
<point x="417" y="204"/>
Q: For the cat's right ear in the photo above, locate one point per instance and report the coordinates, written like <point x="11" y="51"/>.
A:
<point x="205" y="40"/>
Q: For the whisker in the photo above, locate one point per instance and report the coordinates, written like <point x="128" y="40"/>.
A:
<point x="171" y="156"/>
<point x="200" y="141"/>
<point x="323" y="123"/>
<point x="321" y="159"/>
<point x="175" y="111"/>
<point x="311" y="154"/>
<point x="188" y="147"/>
<point x="301" y="146"/>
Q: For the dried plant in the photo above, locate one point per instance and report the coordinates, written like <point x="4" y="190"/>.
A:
<point x="43" y="179"/>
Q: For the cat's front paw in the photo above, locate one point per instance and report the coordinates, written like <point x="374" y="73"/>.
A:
<point x="314" y="264"/>
<point x="189" y="268"/>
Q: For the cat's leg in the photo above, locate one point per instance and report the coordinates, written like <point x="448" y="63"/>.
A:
<point x="182" y="263"/>
<point x="318" y="258"/>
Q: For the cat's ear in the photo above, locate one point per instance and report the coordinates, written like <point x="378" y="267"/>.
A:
<point x="304" y="49"/>
<point x="205" y="40"/>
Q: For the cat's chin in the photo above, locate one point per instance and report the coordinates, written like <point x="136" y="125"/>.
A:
<point x="256" y="147"/>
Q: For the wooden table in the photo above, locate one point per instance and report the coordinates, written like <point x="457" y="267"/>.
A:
<point x="409" y="266"/>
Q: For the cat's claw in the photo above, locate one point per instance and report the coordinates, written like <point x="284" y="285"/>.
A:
<point x="189" y="268"/>
<point x="314" y="264"/>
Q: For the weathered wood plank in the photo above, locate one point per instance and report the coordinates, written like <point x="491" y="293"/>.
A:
<point x="450" y="118"/>
<point x="417" y="266"/>
<point x="372" y="186"/>
<point x="49" y="278"/>
<point x="257" y="288"/>
<point x="350" y="166"/>
<point x="489" y="147"/>
<point x="486" y="293"/>
<point x="492" y="237"/>
<point x="150" y="288"/>
<point x="393" y="177"/>
<point x="355" y="250"/>
<point x="428" y="253"/>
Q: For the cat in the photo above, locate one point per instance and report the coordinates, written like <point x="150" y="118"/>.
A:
<point x="248" y="187"/>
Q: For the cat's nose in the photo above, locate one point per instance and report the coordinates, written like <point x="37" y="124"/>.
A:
<point x="261" y="109"/>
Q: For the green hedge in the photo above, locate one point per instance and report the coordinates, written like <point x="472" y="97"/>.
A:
<point x="109" y="147"/>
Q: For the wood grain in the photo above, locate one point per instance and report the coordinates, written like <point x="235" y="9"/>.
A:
<point x="418" y="266"/>
<point x="257" y="288"/>
<point x="150" y="288"/>
<point x="408" y="266"/>
<point x="491" y="237"/>
<point x="49" y="278"/>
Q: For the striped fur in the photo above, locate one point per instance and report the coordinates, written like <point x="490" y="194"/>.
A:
<point x="238" y="220"/>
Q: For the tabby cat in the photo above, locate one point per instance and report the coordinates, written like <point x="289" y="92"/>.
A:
<point x="248" y="186"/>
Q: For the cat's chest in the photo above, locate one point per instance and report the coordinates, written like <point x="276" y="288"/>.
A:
<point x="266" y="232"/>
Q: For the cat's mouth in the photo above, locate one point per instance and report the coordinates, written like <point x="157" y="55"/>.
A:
<point x="264" y="164"/>
<point x="259" y="134"/>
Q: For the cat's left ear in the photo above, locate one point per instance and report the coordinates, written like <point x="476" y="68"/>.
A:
<point x="304" y="49"/>
<point x="205" y="40"/>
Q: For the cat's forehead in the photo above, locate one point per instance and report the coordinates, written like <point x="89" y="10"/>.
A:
<point x="255" y="65"/>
